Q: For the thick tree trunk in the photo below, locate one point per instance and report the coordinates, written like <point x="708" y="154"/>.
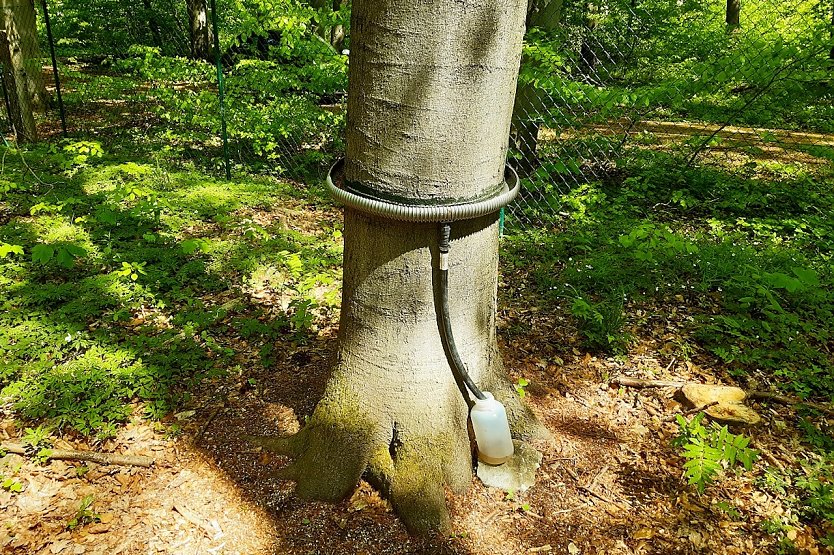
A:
<point x="429" y="114"/>
<point x="19" y="19"/>
<point x="32" y="58"/>
<point x="733" y="14"/>
<point x="15" y="76"/>
<point x="199" y="30"/>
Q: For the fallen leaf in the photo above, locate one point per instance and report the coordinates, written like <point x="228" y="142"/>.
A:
<point x="58" y="546"/>
<point x="644" y="534"/>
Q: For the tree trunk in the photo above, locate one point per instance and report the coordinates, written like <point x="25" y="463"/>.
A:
<point x="15" y="76"/>
<point x="831" y="33"/>
<point x="428" y="122"/>
<point x="199" y="30"/>
<point x="337" y="32"/>
<point x="529" y="99"/>
<point x="153" y="24"/>
<point x="19" y="18"/>
<point x="587" y="53"/>
<point x="733" y="15"/>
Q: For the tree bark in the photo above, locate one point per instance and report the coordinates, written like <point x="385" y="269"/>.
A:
<point x="199" y="30"/>
<point x="733" y="15"/>
<point x="428" y="121"/>
<point x="15" y="75"/>
<point x="337" y="32"/>
<point x="831" y="33"/>
<point x="19" y="17"/>
<point x="153" y="24"/>
<point x="529" y="99"/>
<point x="587" y="52"/>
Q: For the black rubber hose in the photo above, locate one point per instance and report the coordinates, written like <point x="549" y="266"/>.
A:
<point x="458" y="367"/>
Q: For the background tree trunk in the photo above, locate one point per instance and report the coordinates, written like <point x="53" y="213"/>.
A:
<point x="19" y="19"/>
<point x="15" y="75"/>
<point x="733" y="14"/>
<point x="153" y="23"/>
<point x="337" y="32"/>
<point x="430" y="97"/>
<point x="529" y="99"/>
<point x="831" y="33"/>
<point x="199" y="30"/>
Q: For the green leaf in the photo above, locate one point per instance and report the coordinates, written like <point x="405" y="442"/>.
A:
<point x="68" y="253"/>
<point x="190" y="246"/>
<point x="7" y="249"/>
<point x="42" y="253"/>
<point x="808" y="277"/>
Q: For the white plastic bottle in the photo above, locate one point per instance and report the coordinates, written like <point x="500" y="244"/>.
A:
<point x="492" y="431"/>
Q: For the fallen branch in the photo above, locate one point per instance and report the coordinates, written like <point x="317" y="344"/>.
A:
<point x="787" y="400"/>
<point x="751" y="393"/>
<point x="86" y="456"/>
<point x="639" y="382"/>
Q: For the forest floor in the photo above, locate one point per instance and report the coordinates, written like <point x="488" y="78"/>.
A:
<point x="199" y="311"/>
<point x="610" y="484"/>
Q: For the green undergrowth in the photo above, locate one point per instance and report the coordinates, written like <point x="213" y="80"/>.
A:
<point x="126" y="281"/>
<point x="740" y="258"/>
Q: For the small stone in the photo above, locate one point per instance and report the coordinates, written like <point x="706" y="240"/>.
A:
<point x="517" y="474"/>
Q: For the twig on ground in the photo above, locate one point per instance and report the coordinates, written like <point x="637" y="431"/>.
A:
<point x="85" y="456"/>
<point x="207" y="423"/>
<point x="625" y="381"/>
<point x="587" y="488"/>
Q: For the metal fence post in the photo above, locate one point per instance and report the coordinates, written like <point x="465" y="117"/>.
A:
<point x="55" y="68"/>
<point x="220" y="90"/>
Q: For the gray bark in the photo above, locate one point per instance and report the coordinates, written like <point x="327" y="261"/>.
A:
<point x="199" y="30"/>
<point x="19" y="19"/>
<point x="16" y="73"/>
<point x="337" y="32"/>
<point x="530" y="100"/>
<point x="431" y="89"/>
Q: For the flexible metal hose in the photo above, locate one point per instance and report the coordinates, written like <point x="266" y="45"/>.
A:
<point x="423" y="213"/>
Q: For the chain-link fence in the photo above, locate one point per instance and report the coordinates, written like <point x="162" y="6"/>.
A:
<point x="257" y="86"/>
<point x="605" y="86"/>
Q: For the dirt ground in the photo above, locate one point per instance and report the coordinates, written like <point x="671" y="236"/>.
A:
<point x="611" y="483"/>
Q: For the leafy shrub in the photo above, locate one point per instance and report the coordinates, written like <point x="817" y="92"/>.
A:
<point x="710" y="449"/>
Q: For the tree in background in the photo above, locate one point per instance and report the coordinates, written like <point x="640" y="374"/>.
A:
<point x="429" y="114"/>
<point x="733" y="14"/>
<point x="546" y="16"/>
<point x="199" y="30"/>
<point x="153" y="22"/>
<point x="21" y="66"/>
